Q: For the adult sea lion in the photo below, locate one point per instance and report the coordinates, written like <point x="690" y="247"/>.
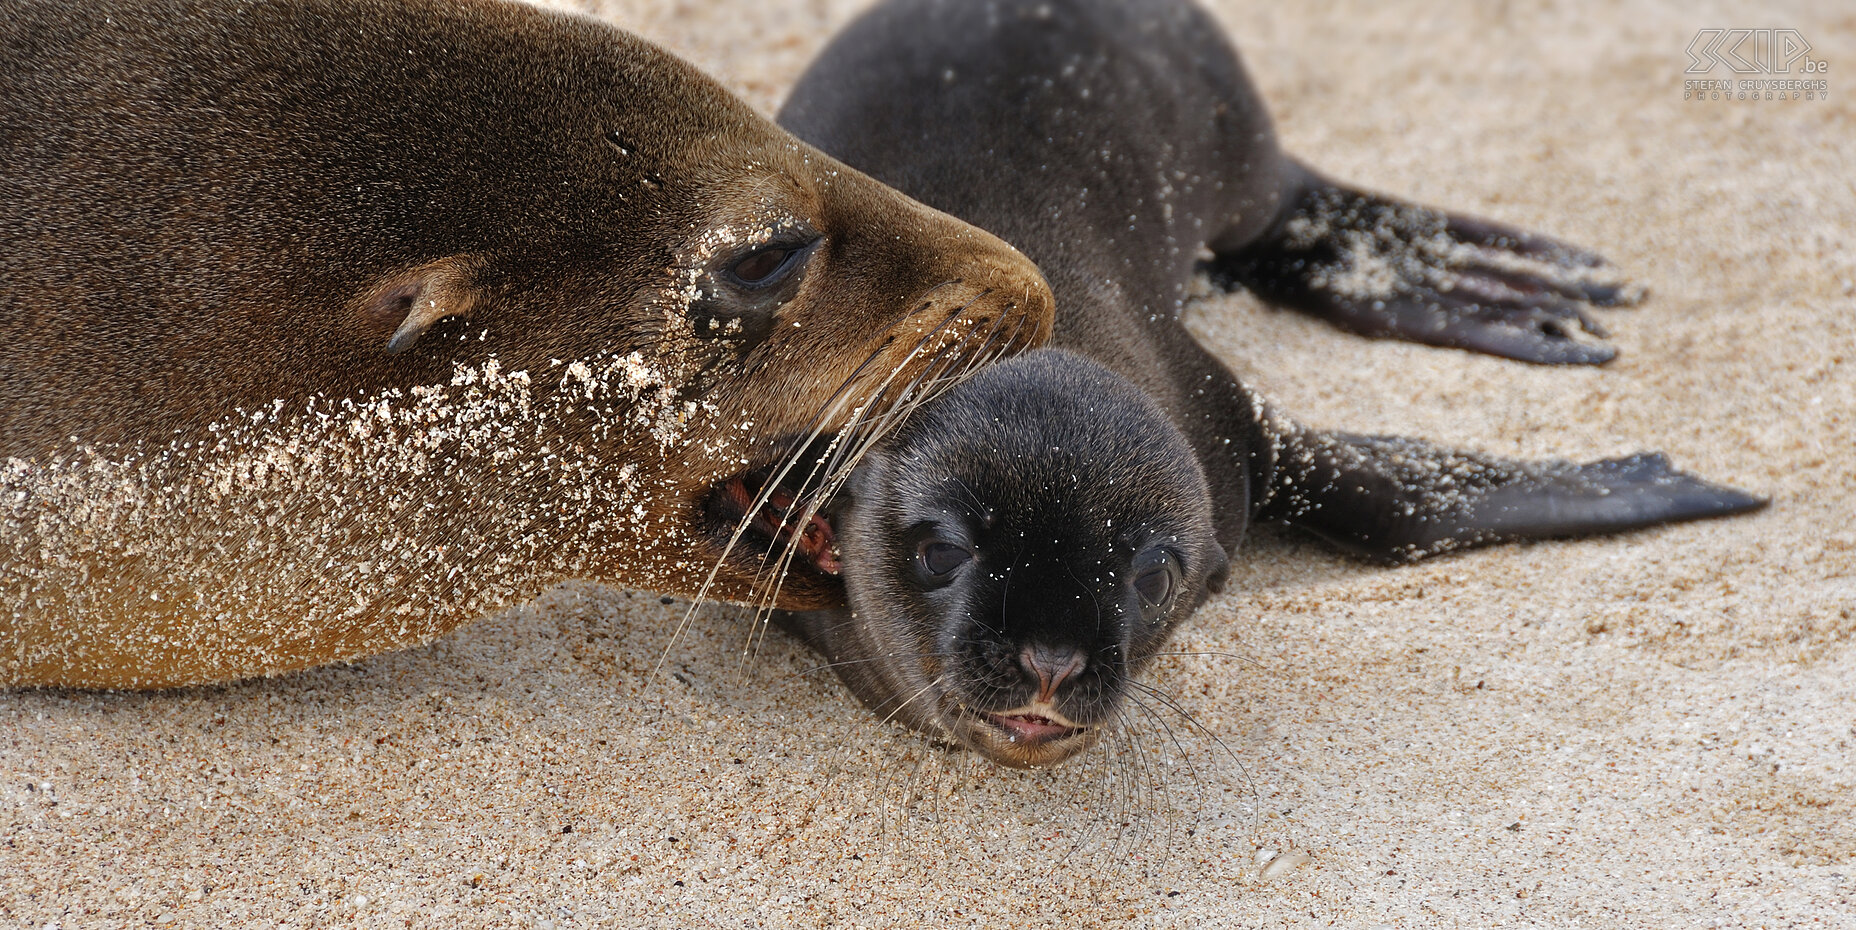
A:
<point x="328" y="325"/>
<point x="1017" y="551"/>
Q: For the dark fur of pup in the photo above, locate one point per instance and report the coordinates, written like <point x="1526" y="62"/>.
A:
<point x="1015" y="554"/>
<point x="1113" y="141"/>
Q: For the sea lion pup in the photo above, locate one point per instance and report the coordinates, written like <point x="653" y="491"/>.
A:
<point x="329" y="325"/>
<point x="1111" y="140"/>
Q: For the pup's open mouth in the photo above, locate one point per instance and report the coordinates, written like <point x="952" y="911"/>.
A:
<point x="781" y="521"/>
<point x="1031" y="728"/>
<point x="1025" y="737"/>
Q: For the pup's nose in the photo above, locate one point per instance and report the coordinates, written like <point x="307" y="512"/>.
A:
<point x="1051" y="666"/>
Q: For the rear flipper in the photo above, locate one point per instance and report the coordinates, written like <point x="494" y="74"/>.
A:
<point x="1382" y="267"/>
<point x="1398" y="500"/>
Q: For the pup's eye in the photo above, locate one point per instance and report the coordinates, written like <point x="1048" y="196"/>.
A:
<point x="1155" y="585"/>
<point x="941" y="558"/>
<point x="766" y="266"/>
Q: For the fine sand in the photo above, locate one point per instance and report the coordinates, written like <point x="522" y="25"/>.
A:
<point x="1651" y="731"/>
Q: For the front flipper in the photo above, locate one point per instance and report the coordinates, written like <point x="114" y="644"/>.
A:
<point x="1382" y="267"/>
<point x="1398" y="500"/>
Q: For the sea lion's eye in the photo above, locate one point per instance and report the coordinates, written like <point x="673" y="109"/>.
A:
<point x="766" y="267"/>
<point x="1155" y="583"/>
<point x="747" y="288"/>
<point x="941" y="558"/>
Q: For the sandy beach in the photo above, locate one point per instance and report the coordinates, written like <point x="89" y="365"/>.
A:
<point x="1656" y="730"/>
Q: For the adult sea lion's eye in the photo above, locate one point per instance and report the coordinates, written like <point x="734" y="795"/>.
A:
<point x="941" y="558"/>
<point x="766" y="266"/>
<point x="748" y="287"/>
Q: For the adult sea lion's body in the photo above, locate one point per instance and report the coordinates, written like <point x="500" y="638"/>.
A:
<point x="991" y="602"/>
<point x="326" y="325"/>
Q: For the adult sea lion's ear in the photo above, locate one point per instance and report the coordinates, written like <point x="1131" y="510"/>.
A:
<point x="404" y="305"/>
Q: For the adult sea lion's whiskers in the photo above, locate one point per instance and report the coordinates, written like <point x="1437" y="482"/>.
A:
<point x="975" y="357"/>
<point x="816" y="428"/>
<point x="826" y="412"/>
<point x="925" y="387"/>
<point x="931" y="384"/>
<point x="990" y="350"/>
<point x="857" y="432"/>
<point x="863" y="437"/>
<point x="860" y="433"/>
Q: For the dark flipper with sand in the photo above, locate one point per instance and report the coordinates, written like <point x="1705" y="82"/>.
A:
<point x="1379" y="266"/>
<point x="1396" y="499"/>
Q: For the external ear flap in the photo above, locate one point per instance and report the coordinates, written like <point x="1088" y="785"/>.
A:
<point x="1221" y="570"/>
<point x="405" y="305"/>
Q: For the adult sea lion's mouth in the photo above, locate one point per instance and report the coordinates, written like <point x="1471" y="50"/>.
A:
<point x="780" y="516"/>
<point x="780" y="522"/>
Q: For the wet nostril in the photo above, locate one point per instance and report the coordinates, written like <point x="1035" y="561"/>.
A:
<point x="1051" y="666"/>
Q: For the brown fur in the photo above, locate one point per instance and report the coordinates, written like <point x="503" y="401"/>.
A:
<point x="237" y="239"/>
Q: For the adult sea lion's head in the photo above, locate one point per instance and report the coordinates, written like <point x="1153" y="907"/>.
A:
<point x="348" y="321"/>
<point x="732" y="302"/>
